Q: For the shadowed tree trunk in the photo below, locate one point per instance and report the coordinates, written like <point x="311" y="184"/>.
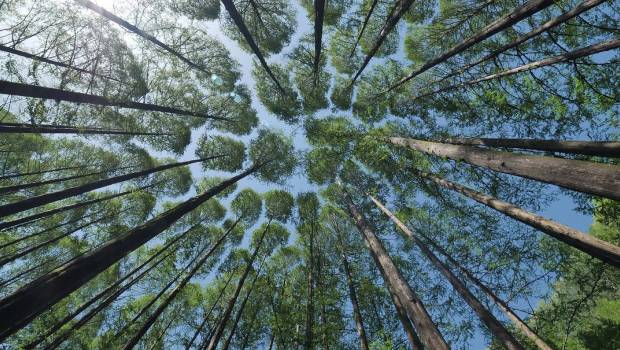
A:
<point x="236" y="17"/>
<point x="22" y="128"/>
<point x="17" y="52"/>
<point x="500" y="303"/>
<point x="109" y="289"/>
<point x="217" y="334"/>
<point x="112" y="17"/>
<point x="364" y="24"/>
<point x="586" y="243"/>
<point x="319" y="12"/>
<point x="208" y="314"/>
<point x="591" y="148"/>
<point x="587" y="177"/>
<point x="429" y="334"/>
<point x="568" y="56"/>
<point x="526" y="10"/>
<point x="550" y="24"/>
<point x="357" y="315"/>
<point x="497" y="328"/>
<point x="164" y="304"/>
<point x="19" y="308"/>
<point x="35" y="91"/>
<point x="33" y="202"/>
<point x="397" y="13"/>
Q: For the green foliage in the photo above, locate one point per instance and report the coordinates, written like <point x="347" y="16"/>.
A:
<point x="275" y="152"/>
<point x="247" y="205"/>
<point x="230" y="153"/>
<point x="279" y="205"/>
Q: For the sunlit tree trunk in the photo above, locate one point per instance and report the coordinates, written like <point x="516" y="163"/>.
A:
<point x="587" y="177"/>
<point x="19" y="308"/>
<point x="497" y="328"/>
<point x="588" y="244"/>
<point x="429" y="334"/>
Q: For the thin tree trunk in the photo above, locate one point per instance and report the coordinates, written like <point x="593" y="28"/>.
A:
<point x="364" y="24"/>
<point x="495" y="326"/>
<point x="357" y="315"/>
<point x="112" y="17"/>
<point x="109" y="289"/>
<point x="526" y="10"/>
<point x="586" y="243"/>
<point x="26" y="90"/>
<point x="323" y="318"/>
<point x="236" y="17"/>
<point x="206" y="318"/>
<point x="17" y="52"/>
<point x="500" y="303"/>
<point x="33" y="202"/>
<point x="246" y="337"/>
<point x="5" y="177"/>
<point x="217" y="334"/>
<point x="398" y="12"/>
<point x="28" y="219"/>
<point x="14" y="188"/>
<point x="587" y="177"/>
<point x="319" y="12"/>
<point x="239" y="314"/>
<point x="550" y="24"/>
<point x="568" y="56"/>
<point x="19" y="308"/>
<point x="164" y="304"/>
<point x="429" y="334"/>
<point x="591" y="148"/>
<point x="310" y="286"/>
<point x="22" y="128"/>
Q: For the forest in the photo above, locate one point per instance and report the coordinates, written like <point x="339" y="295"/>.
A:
<point x="343" y="174"/>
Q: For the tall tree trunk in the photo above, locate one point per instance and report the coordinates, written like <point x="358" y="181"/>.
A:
<point x="364" y="24"/>
<point x="28" y="219"/>
<point x="236" y="17"/>
<point x="14" y="188"/>
<point x="5" y="177"/>
<point x="429" y="334"/>
<point x="397" y="13"/>
<point x="233" y="328"/>
<point x="357" y="315"/>
<point x="164" y="304"/>
<point x="208" y="314"/>
<point x="526" y="10"/>
<point x="112" y="17"/>
<point x="319" y="14"/>
<point x="323" y="314"/>
<point x="495" y="326"/>
<point x="109" y="289"/>
<point x="310" y="295"/>
<point x="217" y="334"/>
<point x="35" y="91"/>
<point x="19" y="308"/>
<point x="587" y="177"/>
<point x="22" y="128"/>
<point x="568" y="56"/>
<point x="500" y="303"/>
<point x="586" y="243"/>
<point x="33" y="202"/>
<point x="591" y="148"/>
<point x="17" y="52"/>
<point x="550" y="24"/>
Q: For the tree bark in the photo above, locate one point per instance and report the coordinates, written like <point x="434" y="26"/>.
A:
<point x="526" y="10"/>
<point x="357" y="315"/>
<point x="112" y="17"/>
<point x="364" y="24"/>
<point x="499" y="302"/>
<point x="429" y="334"/>
<point x="495" y="326"/>
<point x="319" y="12"/>
<point x="550" y="24"/>
<point x="398" y="12"/>
<point x="217" y="335"/>
<point x="22" y="128"/>
<point x="591" y="148"/>
<point x="587" y="177"/>
<point x="236" y="17"/>
<point x="33" y="202"/>
<point x="568" y="56"/>
<point x="19" y="308"/>
<point x="25" y="90"/>
<point x="164" y="304"/>
<point x="586" y="243"/>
